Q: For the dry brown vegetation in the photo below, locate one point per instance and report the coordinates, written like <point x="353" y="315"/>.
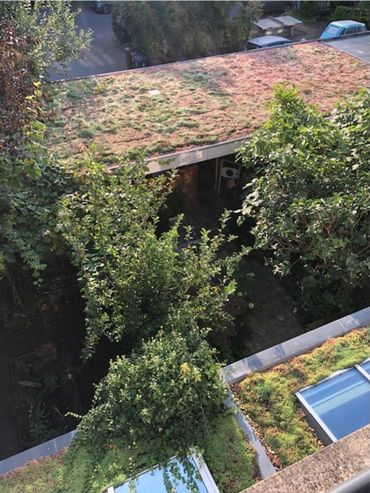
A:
<point x="188" y="104"/>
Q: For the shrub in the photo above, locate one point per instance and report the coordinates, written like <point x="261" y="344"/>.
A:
<point x="360" y="13"/>
<point x="157" y="401"/>
<point x="311" y="198"/>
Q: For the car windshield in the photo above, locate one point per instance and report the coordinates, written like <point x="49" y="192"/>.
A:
<point x="278" y="43"/>
<point x="332" y="30"/>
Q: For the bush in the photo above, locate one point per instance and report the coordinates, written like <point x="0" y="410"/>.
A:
<point x="309" y="9"/>
<point x="360" y="13"/>
<point x="311" y="199"/>
<point x="134" y="280"/>
<point x="157" y="401"/>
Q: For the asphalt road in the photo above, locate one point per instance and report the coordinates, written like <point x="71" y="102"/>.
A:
<point x="105" y="54"/>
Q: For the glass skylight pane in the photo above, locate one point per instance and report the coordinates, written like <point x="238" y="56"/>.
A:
<point x="153" y="482"/>
<point x="342" y="402"/>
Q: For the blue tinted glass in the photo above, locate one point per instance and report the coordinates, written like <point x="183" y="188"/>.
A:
<point x="342" y="402"/>
<point x="152" y="482"/>
<point x="366" y="366"/>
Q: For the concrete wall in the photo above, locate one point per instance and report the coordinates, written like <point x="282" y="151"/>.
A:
<point x="324" y="470"/>
<point x="43" y="450"/>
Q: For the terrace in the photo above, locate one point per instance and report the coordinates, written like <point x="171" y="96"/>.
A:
<point x="211" y="103"/>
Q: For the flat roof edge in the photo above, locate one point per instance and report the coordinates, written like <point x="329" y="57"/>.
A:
<point x="190" y="60"/>
<point x="320" y="472"/>
<point x="291" y="348"/>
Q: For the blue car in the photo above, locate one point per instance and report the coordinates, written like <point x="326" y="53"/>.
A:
<point x="340" y="28"/>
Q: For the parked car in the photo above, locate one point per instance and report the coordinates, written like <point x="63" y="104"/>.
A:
<point x="102" y="7"/>
<point x="267" y="42"/>
<point x="341" y="28"/>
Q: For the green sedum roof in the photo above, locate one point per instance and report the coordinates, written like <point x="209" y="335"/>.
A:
<point x="184" y="105"/>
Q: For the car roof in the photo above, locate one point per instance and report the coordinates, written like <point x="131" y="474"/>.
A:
<point x="346" y="23"/>
<point x="264" y="40"/>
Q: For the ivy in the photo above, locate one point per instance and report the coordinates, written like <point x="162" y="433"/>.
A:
<point x="30" y="183"/>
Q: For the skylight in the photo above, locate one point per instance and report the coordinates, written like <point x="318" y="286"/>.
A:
<point x="340" y="404"/>
<point x="153" y="480"/>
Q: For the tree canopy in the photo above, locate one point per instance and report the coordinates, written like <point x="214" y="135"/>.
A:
<point x="49" y="28"/>
<point x="169" y="31"/>
<point x="310" y="199"/>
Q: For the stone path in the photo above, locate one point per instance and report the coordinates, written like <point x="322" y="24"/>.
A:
<point x="272" y="320"/>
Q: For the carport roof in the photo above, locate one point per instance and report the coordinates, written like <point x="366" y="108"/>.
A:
<point x="195" y="104"/>
<point x="358" y="45"/>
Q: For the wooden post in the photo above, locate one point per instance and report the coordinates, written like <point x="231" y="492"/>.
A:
<point x="190" y="182"/>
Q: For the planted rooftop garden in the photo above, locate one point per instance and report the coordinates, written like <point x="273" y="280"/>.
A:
<point x="225" y="451"/>
<point x="268" y="398"/>
<point x="156" y="299"/>
<point x="188" y="104"/>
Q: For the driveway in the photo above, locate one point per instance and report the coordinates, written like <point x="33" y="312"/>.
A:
<point x="358" y="46"/>
<point x="105" y="54"/>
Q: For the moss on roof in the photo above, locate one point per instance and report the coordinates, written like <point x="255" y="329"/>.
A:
<point x="189" y="104"/>
<point x="268" y="398"/>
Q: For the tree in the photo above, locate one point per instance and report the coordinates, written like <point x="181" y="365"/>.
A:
<point x="170" y="31"/>
<point x="157" y="402"/>
<point x="359" y="12"/>
<point x="310" y="198"/>
<point x="136" y="281"/>
<point x="33" y="37"/>
<point x="50" y="30"/>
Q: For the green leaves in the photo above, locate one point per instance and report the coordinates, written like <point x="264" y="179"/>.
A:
<point x="185" y="30"/>
<point x="311" y="197"/>
<point x="158" y="401"/>
<point x="134" y="279"/>
<point x="50" y="29"/>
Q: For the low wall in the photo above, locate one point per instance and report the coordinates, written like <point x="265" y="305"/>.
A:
<point x="293" y="347"/>
<point x="323" y="470"/>
<point x="43" y="450"/>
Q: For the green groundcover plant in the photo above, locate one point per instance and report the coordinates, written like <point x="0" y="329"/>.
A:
<point x="268" y="398"/>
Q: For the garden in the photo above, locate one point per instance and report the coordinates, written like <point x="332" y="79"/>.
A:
<point x="268" y="398"/>
<point x="114" y="322"/>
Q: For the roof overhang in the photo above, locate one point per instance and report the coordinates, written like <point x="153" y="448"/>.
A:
<point x="192" y="156"/>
